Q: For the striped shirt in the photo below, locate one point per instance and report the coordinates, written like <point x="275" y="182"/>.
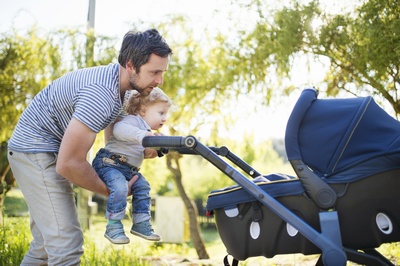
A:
<point x="90" y="95"/>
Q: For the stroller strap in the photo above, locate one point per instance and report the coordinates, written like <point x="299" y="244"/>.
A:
<point x="235" y="262"/>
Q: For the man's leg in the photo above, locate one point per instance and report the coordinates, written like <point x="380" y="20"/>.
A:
<point x="54" y="220"/>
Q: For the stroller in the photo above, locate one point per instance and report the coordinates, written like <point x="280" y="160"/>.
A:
<point x="344" y="201"/>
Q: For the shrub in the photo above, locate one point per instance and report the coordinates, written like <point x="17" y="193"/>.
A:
<point x="14" y="240"/>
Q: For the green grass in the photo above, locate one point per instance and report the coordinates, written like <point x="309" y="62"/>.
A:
<point x="15" y="237"/>
<point x="14" y="204"/>
<point x="14" y="240"/>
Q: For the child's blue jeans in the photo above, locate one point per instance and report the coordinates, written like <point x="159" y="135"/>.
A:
<point x="116" y="176"/>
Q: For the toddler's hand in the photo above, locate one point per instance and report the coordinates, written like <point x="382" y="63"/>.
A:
<point x="150" y="153"/>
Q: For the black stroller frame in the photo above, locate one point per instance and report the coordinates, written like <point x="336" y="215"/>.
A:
<point x="325" y="237"/>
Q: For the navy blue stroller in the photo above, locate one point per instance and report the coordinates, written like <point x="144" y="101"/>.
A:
<point x="344" y="201"/>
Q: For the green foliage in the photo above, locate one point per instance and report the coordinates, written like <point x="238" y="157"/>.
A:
<point x="29" y="62"/>
<point x="7" y="180"/>
<point x="25" y="66"/>
<point x="391" y="251"/>
<point x="362" y="47"/>
<point x="204" y="76"/>
<point x="110" y="257"/>
<point x="200" y="176"/>
<point x="14" y="240"/>
<point x="15" y="204"/>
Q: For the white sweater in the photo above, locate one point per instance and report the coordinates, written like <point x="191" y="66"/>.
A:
<point x="127" y="139"/>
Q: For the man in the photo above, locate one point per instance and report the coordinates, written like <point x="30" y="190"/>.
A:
<point x="48" y="148"/>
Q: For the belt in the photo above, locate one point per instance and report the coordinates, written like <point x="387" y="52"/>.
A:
<point x="122" y="160"/>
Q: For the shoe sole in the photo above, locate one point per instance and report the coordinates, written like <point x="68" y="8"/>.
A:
<point x="145" y="237"/>
<point x="117" y="242"/>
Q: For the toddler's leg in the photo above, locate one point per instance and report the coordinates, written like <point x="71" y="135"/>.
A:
<point x="116" y="205"/>
<point x="141" y="202"/>
<point x="115" y="232"/>
<point x="145" y="230"/>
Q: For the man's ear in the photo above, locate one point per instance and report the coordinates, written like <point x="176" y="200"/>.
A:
<point x="130" y="67"/>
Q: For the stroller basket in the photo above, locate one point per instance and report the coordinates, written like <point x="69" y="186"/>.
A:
<point x="343" y="202"/>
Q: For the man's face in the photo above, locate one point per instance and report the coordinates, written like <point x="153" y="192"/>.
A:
<point x="150" y="75"/>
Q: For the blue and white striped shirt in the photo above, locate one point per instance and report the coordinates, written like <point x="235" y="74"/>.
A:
<point x="90" y="95"/>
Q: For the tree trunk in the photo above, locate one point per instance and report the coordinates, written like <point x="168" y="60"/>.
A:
<point x="6" y="183"/>
<point x="195" y="232"/>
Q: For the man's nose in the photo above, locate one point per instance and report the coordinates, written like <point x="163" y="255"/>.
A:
<point x="159" y="80"/>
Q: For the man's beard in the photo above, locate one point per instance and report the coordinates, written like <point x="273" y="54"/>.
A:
<point x="136" y="87"/>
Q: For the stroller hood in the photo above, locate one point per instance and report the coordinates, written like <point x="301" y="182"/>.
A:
<point x="342" y="139"/>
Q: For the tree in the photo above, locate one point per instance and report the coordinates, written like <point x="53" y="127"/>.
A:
<point x="202" y="79"/>
<point x="7" y="181"/>
<point x="28" y="63"/>
<point x="361" y="48"/>
<point x="209" y="78"/>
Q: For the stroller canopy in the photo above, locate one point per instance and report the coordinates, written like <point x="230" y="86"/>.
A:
<point x="342" y="139"/>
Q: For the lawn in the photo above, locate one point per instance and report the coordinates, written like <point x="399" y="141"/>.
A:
<point x="98" y="251"/>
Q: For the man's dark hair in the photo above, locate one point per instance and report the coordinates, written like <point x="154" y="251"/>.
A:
<point x="138" y="46"/>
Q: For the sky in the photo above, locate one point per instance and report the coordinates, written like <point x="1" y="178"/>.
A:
<point x="113" y="19"/>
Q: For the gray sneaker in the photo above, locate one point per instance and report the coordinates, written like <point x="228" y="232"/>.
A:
<point x="145" y="230"/>
<point x="115" y="233"/>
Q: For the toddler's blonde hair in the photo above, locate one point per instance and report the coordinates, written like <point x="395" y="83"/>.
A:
<point x="136" y="102"/>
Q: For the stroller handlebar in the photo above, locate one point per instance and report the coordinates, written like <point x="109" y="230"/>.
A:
<point x="163" y="142"/>
<point x="190" y="145"/>
<point x="183" y="145"/>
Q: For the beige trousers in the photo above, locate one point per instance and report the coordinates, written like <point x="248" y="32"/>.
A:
<point x="57" y="236"/>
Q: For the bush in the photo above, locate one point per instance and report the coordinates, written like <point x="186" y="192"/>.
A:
<point x="112" y="256"/>
<point x="14" y="240"/>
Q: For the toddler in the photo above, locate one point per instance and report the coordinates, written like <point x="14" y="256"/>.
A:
<point x="121" y="159"/>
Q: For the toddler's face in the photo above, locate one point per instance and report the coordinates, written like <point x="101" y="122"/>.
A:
<point x="156" y="115"/>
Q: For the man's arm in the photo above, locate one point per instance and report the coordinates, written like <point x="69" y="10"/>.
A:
<point x="108" y="131"/>
<point x="72" y="163"/>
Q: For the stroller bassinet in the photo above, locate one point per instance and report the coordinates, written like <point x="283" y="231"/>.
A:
<point x="344" y="201"/>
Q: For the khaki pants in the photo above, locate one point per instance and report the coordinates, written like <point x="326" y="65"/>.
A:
<point x="57" y="236"/>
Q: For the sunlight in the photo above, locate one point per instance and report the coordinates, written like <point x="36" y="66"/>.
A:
<point x="206" y="15"/>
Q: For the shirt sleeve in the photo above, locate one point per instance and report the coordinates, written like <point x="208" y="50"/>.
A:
<point x="129" y="132"/>
<point x="96" y="107"/>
